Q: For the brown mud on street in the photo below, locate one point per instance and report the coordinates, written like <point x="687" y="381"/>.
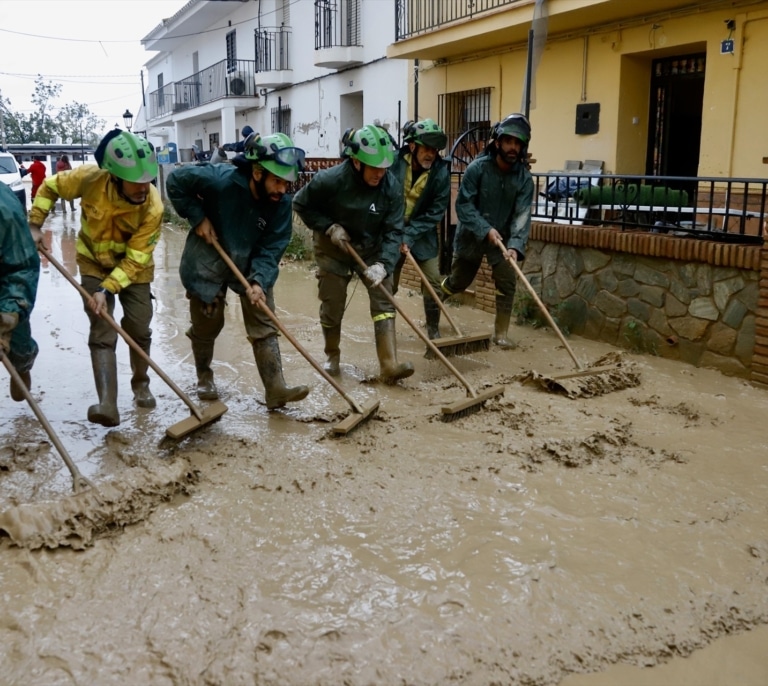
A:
<point x="535" y="542"/>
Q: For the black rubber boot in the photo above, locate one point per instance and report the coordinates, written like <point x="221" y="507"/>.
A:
<point x="267" y="354"/>
<point x="386" y="349"/>
<point x="140" y="381"/>
<point x="104" y="362"/>
<point x="501" y="324"/>
<point x="432" y="314"/>
<point x="332" y="338"/>
<point x="16" y="393"/>
<point x="202" y="351"/>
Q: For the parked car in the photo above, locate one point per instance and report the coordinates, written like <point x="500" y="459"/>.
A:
<point x="10" y="174"/>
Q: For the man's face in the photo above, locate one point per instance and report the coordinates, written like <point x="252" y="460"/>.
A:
<point x="135" y="193"/>
<point x="424" y="155"/>
<point x="509" y="148"/>
<point x="269" y="186"/>
<point x="372" y="176"/>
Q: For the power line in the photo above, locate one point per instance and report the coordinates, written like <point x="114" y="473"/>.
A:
<point x="176" y="37"/>
<point x="70" y="76"/>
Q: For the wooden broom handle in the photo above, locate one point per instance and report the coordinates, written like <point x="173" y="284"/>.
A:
<point x="133" y="344"/>
<point x="265" y="308"/>
<point x="513" y="262"/>
<point x="431" y="290"/>
<point x="435" y="350"/>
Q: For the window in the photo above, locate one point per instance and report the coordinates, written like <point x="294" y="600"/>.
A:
<point x="281" y="120"/>
<point x="465" y="110"/>
<point x="231" y="52"/>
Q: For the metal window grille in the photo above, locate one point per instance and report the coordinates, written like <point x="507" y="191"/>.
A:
<point x="464" y="110"/>
<point x="231" y="52"/>
<point x="281" y="120"/>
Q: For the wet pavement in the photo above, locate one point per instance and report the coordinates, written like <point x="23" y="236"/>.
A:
<point x="533" y="542"/>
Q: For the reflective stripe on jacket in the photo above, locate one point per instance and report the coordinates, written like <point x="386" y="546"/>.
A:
<point x="116" y="238"/>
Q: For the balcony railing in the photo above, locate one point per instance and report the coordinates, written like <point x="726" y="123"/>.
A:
<point x="225" y="79"/>
<point x="337" y="24"/>
<point x="272" y="49"/>
<point x="413" y="17"/>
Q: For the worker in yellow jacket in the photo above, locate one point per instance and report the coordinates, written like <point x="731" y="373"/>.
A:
<point x="121" y="214"/>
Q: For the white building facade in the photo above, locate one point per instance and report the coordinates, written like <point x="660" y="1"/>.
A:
<point x="307" y="68"/>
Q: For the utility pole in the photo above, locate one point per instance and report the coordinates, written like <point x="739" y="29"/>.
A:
<point x="2" y="120"/>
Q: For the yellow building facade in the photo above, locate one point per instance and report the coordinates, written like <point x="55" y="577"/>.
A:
<point x="658" y="87"/>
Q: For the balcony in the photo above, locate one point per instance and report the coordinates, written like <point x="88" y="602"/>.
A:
<point x="337" y="34"/>
<point x="273" y="67"/>
<point x="435" y="30"/>
<point x="225" y="79"/>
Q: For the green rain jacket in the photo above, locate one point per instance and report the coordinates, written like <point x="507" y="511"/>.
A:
<point x="373" y="217"/>
<point x="19" y="261"/>
<point x="255" y="233"/>
<point x="491" y="199"/>
<point x="421" y="232"/>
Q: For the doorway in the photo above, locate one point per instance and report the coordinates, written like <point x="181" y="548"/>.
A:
<point x="677" y="95"/>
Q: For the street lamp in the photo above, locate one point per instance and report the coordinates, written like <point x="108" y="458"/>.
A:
<point x="128" y="119"/>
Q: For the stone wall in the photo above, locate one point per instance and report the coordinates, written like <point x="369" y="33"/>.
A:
<point x="696" y="301"/>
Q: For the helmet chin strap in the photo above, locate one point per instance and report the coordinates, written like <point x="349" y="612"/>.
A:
<point x="119" y="183"/>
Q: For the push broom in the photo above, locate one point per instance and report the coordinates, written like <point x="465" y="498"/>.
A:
<point x="181" y="429"/>
<point x="79" y="482"/>
<point x="585" y="381"/>
<point x="459" y="344"/>
<point x="359" y="413"/>
<point x="475" y="400"/>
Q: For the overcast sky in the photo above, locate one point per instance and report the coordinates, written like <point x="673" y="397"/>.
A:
<point x="91" y="47"/>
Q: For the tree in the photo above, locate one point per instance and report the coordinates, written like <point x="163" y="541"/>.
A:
<point x="45" y="126"/>
<point x="73" y="123"/>
<point x="78" y="125"/>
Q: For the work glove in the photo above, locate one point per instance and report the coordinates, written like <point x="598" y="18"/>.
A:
<point x="375" y="274"/>
<point x="338" y="235"/>
<point x="8" y="322"/>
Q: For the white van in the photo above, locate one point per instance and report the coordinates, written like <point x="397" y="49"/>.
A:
<point x="11" y="176"/>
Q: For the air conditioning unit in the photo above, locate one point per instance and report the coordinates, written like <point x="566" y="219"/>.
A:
<point x="237" y="83"/>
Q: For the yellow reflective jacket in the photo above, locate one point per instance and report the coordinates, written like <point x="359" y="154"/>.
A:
<point x="116" y="238"/>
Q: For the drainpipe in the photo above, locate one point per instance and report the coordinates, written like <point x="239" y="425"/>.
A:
<point x="416" y="90"/>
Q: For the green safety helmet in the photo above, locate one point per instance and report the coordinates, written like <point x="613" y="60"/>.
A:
<point x="516" y="125"/>
<point x="425" y="132"/>
<point x="127" y="156"/>
<point x="276" y="153"/>
<point x="370" y="144"/>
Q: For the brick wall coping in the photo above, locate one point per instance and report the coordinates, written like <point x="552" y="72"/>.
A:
<point x="650" y="244"/>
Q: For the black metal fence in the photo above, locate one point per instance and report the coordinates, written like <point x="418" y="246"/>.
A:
<point x="723" y="209"/>
<point x="413" y="17"/>
<point x="728" y="210"/>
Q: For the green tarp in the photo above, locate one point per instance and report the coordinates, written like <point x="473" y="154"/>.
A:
<point x="631" y="195"/>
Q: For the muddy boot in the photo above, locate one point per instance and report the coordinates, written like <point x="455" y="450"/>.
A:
<point x="501" y="324"/>
<point x="267" y="354"/>
<point x="140" y="381"/>
<point x="203" y="354"/>
<point x="17" y="393"/>
<point x="104" y="362"/>
<point x="432" y="314"/>
<point x="386" y="349"/>
<point x="332" y="337"/>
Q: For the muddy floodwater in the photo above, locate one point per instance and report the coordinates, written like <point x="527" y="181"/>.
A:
<point x="616" y="540"/>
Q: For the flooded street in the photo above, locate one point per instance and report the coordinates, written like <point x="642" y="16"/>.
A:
<point x="538" y="541"/>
